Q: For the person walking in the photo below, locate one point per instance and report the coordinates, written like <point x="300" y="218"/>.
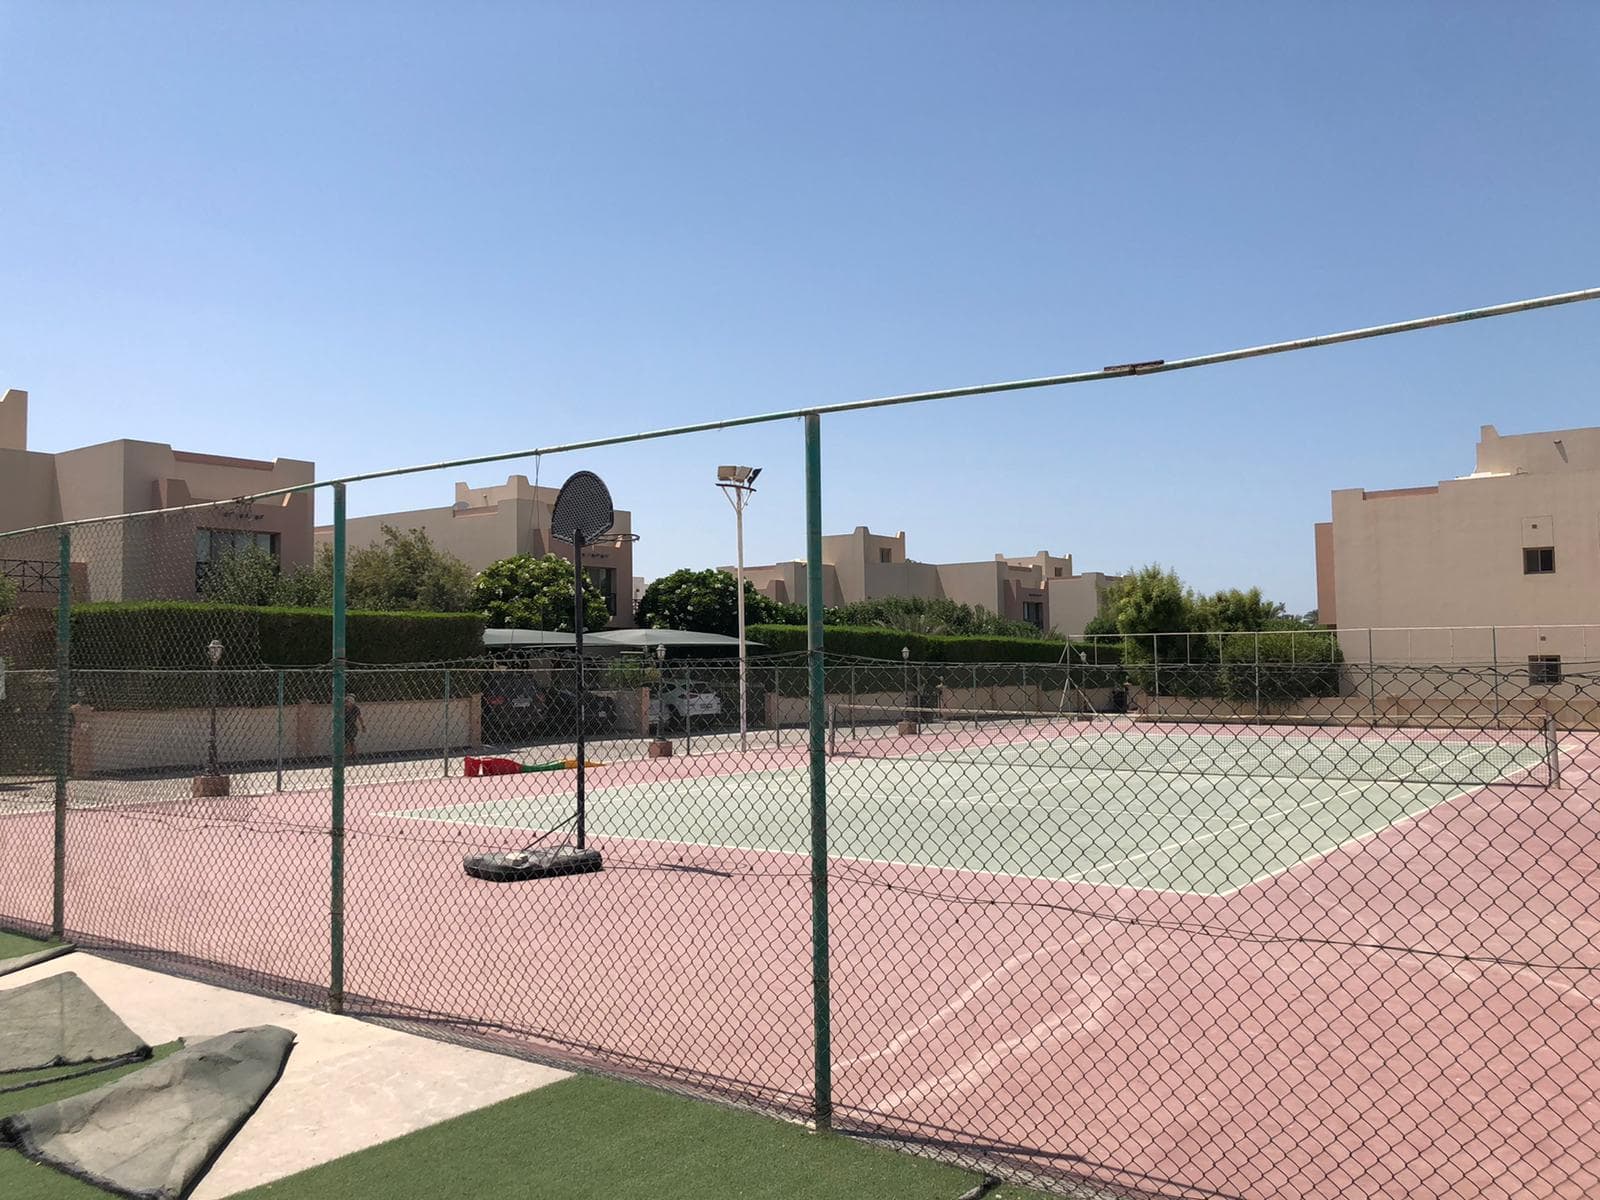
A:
<point x="354" y="724"/>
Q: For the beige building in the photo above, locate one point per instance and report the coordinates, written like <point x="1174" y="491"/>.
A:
<point x="150" y="558"/>
<point x="1041" y="589"/>
<point x="1515" y="545"/>
<point x="486" y="524"/>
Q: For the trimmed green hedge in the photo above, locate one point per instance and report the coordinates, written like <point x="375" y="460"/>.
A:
<point x="172" y="635"/>
<point x="152" y="655"/>
<point x="861" y="641"/>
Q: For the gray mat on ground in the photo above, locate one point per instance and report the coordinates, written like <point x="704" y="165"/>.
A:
<point x="22" y="963"/>
<point x="57" y="1022"/>
<point x="154" y="1133"/>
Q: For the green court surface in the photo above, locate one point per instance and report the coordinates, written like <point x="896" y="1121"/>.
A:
<point x="1201" y="813"/>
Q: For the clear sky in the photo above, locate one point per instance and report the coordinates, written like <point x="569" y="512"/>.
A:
<point x="380" y="234"/>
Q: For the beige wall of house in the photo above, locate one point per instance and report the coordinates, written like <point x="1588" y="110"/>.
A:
<point x="862" y="565"/>
<point x="486" y="524"/>
<point x="151" y="557"/>
<point x="1455" y="553"/>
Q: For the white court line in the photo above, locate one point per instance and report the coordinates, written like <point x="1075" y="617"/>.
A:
<point x="1206" y="837"/>
<point x="780" y="796"/>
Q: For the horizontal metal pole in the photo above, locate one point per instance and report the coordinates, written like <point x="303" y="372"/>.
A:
<point x="1125" y="371"/>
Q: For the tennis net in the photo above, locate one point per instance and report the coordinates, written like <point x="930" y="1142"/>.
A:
<point x="1525" y="755"/>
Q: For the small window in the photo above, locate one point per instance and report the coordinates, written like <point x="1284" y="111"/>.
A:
<point x="1539" y="560"/>
<point x="1058" y="572"/>
<point x="1544" y="668"/>
<point x="883" y="554"/>
<point x="1033" y="613"/>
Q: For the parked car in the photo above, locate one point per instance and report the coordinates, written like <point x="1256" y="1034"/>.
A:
<point x="682" y="701"/>
<point x="517" y="705"/>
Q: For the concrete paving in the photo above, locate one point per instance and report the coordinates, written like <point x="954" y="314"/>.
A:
<point x="348" y="1084"/>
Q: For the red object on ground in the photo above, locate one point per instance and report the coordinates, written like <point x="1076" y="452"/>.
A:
<point x="491" y="766"/>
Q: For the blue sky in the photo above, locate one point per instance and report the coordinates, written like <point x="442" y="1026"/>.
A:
<point x="373" y="235"/>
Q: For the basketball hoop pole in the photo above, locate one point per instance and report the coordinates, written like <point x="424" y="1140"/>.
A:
<point x="577" y="641"/>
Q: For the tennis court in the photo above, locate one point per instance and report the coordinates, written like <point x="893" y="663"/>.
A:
<point x="1033" y="919"/>
<point x="1199" y="811"/>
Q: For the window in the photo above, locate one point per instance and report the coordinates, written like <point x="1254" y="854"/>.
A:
<point x="1539" y="560"/>
<point x="1033" y="613"/>
<point x="605" y="578"/>
<point x="1058" y="572"/>
<point x="884" y="554"/>
<point x="1544" y="668"/>
<point x="214" y="545"/>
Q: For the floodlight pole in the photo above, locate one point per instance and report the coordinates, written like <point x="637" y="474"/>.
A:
<point x="738" y="494"/>
<point x="577" y="642"/>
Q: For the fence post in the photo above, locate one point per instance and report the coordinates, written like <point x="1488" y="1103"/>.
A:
<point x="1258" y="673"/>
<point x="688" y="713"/>
<point x="821" y="1000"/>
<point x="445" y="764"/>
<point x="774" y="706"/>
<point x="1155" y="667"/>
<point x="278" y="785"/>
<point x="336" y="732"/>
<point x="58" y="869"/>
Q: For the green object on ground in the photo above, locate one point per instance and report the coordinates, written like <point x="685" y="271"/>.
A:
<point x="596" y="1139"/>
<point x="24" y="1180"/>
<point x="155" y="1133"/>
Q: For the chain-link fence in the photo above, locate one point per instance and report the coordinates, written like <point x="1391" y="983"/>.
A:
<point x="1138" y="923"/>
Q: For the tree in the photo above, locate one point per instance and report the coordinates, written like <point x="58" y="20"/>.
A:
<point x="524" y="592"/>
<point x="248" y="575"/>
<point x="406" y="572"/>
<point x="1234" y="611"/>
<point x="1151" y="600"/>
<point x="707" y="602"/>
<point x="930" y="615"/>
<point x="8" y="595"/>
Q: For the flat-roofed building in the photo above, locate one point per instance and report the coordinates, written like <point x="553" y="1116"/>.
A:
<point x="152" y="558"/>
<point x="1514" y="546"/>
<point x="486" y="524"/>
<point x="1041" y="589"/>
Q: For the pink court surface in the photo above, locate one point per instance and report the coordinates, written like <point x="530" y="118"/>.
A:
<point x="1407" y="1007"/>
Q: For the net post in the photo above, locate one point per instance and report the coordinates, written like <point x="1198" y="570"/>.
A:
<point x="1552" y="741"/>
<point x="58" y="869"/>
<point x="1494" y="660"/>
<point x="822" y="1061"/>
<point x="336" y="732"/>
<point x="1372" y="678"/>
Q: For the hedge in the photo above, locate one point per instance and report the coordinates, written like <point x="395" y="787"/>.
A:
<point x="862" y="641"/>
<point x="152" y="655"/>
<point x="172" y="635"/>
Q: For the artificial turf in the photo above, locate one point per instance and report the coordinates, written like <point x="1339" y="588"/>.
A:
<point x="14" y="945"/>
<point x="595" y="1139"/>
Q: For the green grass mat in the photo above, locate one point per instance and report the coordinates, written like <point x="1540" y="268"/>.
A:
<point x="596" y="1139"/>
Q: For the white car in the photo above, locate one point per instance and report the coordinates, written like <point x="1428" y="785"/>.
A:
<point x="682" y="701"/>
